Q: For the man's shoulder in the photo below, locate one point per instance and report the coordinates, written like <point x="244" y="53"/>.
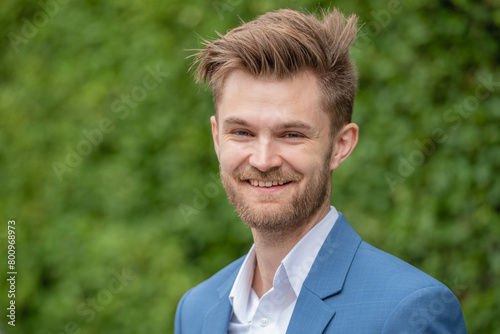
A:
<point x="387" y="267"/>
<point x="203" y="298"/>
<point x="394" y="285"/>
<point x="367" y="267"/>
<point x="385" y="293"/>
<point x="212" y="288"/>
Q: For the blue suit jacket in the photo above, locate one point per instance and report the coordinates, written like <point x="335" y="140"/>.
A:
<point x="352" y="288"/>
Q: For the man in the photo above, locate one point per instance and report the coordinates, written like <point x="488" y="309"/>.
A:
<point x="284" y="88"/>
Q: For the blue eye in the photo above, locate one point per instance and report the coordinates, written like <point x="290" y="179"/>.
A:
<point x="241" y="133"/>
<point x="293" y="135"/>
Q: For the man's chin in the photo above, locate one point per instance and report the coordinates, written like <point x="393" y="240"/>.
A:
<point x="268" y="216"/>
<point x="269" y="206"/>
<point x="252" y="197"/>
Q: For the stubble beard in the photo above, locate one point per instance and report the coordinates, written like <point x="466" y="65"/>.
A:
<point x="269" y="216"/>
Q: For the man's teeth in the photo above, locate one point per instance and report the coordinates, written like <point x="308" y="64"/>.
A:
<point x="267" y="184"/>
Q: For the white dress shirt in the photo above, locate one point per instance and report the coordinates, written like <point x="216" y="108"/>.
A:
<point x="272" y="312"/>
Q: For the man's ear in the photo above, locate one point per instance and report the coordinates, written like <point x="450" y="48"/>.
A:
<point x="344" y="143"/>
<point x="215" y="134"/>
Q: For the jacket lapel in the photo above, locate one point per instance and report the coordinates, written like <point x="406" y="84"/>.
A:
<point x="217" y="319"/>
<point x="311" y="314"/>
<point x="326" y="278"/>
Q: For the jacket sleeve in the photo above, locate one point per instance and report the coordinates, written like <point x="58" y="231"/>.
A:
<point x="427" y="310"/>
<point x="179" y="315"/>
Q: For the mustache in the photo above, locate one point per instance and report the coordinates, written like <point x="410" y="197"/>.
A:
<point x="276" y="174"/>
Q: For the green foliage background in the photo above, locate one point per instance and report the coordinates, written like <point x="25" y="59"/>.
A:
<point x="422" y="183"/>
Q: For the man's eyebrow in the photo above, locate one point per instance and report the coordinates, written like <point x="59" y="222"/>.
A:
<point x="235" y="121"/>
<point x="281" y="126"/>
<point x="294" y="125"/>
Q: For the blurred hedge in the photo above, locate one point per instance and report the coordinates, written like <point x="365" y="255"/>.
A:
<point x="102" y="185"/>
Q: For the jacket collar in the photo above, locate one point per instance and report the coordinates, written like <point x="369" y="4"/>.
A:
<point x="217" y="319"/>
<point x="326" y="278"/>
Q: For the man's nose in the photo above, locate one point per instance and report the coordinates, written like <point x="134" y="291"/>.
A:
<point x="265" y="155"/>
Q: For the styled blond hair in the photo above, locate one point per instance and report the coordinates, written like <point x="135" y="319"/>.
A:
<point x="282" y="44"/>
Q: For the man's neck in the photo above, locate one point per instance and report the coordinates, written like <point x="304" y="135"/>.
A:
<point x="272" y="247"/>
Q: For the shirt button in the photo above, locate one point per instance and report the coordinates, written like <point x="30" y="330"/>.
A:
<point x="264" y="322"/>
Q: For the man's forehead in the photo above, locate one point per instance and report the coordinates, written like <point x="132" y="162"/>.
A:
<point x="242" y="74"/>
<point x="240" y="81"/>
<point x="277" y="124"/>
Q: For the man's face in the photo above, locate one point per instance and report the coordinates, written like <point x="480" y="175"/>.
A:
<point x="275" y="149"/>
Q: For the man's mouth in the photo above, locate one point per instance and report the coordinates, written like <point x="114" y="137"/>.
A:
<point x="267" y="183"/>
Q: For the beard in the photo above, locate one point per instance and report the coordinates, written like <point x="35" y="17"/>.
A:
<point x="269" y="213"/>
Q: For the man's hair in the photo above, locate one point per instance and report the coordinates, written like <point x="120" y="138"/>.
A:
<point x="282" y="44"/>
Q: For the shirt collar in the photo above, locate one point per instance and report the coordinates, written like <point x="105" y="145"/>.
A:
<point x="298" y="262"/>
<point x="295" y="266"/>
<point x="240" y="293"/>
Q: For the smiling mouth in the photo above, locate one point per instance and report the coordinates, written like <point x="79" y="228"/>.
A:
<point x="267" y="183"/>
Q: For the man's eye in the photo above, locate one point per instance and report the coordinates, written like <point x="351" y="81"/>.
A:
<point x="241" y="133"/>
<point x="293" y="135"/>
